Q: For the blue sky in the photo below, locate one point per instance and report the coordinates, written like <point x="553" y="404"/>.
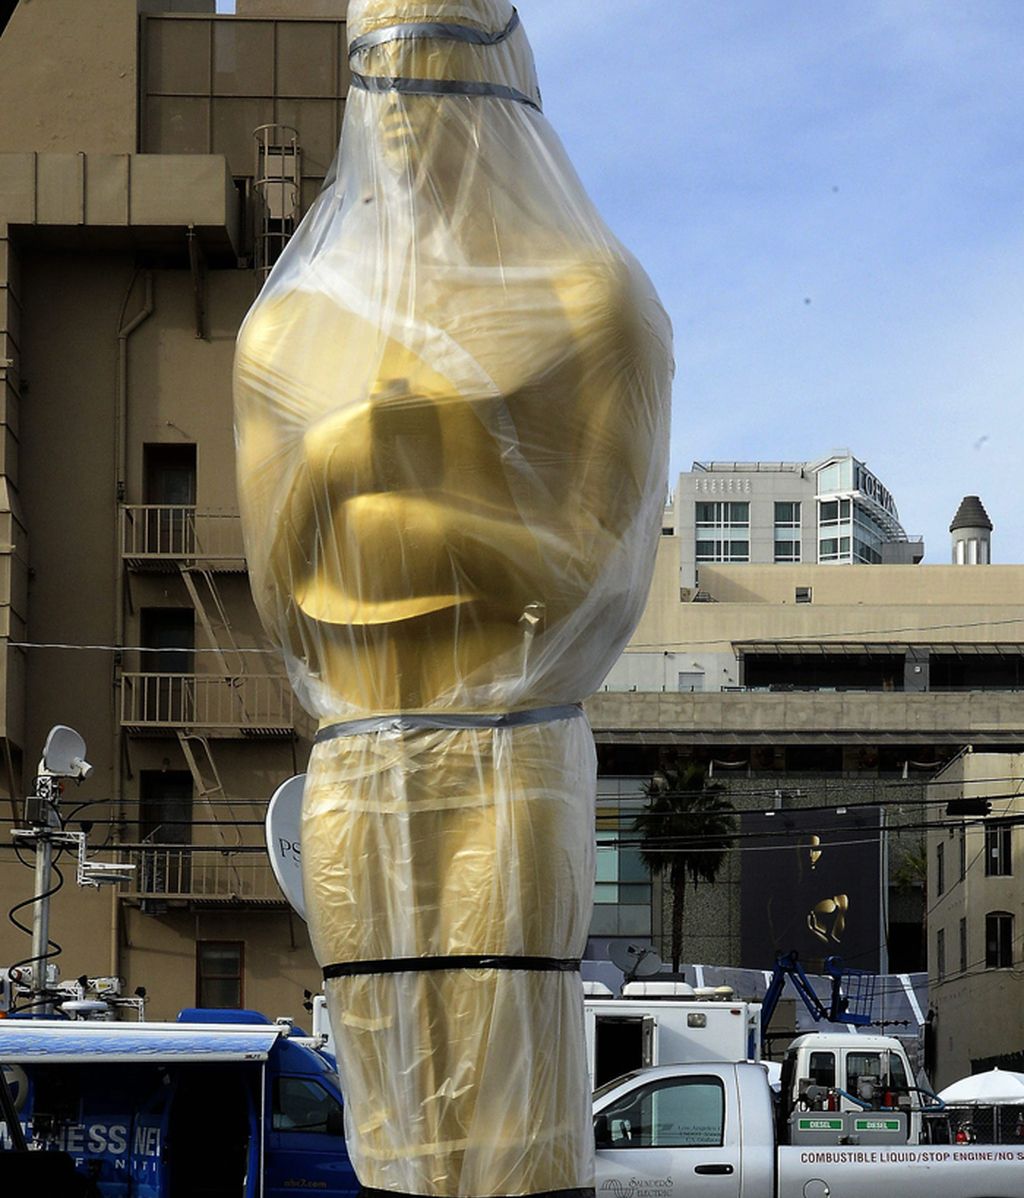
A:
<point x="829" y="196"/>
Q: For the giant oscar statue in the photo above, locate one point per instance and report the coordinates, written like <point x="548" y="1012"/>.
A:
<point x="451" y="403"/>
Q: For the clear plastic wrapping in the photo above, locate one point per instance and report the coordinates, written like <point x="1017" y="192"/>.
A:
<point x="451" y="407"/>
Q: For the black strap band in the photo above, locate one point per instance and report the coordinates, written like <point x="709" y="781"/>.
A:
<point x="411" y="30"/>
<point x="441" y="87"/>
<point x="366" y="1192"/>
<point x="350" y="969"/>
<point x="452" y="721"/>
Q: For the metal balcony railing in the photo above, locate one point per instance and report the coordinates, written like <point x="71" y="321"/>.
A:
<point x="246" y="703"/>
<point x="173" y="532"/>
<point x="187" y="874"/>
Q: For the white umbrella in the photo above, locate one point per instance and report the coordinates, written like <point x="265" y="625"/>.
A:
<point x="997" y="1086"/>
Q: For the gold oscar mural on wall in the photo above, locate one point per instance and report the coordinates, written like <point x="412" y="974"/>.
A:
<point x="452" y="423"/>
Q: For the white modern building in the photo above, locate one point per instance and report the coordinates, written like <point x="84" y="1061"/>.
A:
<point x="829" y="511"/>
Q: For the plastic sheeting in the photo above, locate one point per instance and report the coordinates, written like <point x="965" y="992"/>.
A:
<point x="451" y="408"/>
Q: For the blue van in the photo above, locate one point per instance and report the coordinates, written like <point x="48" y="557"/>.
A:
<point x="217" y="1103"/>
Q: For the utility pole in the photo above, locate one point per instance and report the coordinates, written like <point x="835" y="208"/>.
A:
<point x="63" y="757"/>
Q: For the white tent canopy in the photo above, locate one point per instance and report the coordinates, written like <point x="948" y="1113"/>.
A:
<point x="994" y="1088"/>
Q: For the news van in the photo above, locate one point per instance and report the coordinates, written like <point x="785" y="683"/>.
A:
<point x="218" y="1102"/>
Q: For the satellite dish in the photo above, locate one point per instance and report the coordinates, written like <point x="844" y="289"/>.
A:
<point x="64" y="753"/>
<point x="82" y="1008"/>
<point x="283" y="827"/>
<point x="635" y="960"/>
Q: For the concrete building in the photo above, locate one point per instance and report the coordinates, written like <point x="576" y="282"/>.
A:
<point x="829" y="511"/>
<point x="803" y="686"/>
<point x="976" y="913"/>
<point x="155" y="156"/>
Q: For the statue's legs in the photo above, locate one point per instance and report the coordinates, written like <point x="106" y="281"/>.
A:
<point x="419" y="846"/>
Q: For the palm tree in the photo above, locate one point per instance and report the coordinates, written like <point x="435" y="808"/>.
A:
<point x="685" y="831"/>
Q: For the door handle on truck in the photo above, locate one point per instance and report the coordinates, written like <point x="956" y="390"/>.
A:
<point x="704" y="1169"/>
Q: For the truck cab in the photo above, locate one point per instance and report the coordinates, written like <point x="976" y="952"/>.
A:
<point x="839" y="1073"/>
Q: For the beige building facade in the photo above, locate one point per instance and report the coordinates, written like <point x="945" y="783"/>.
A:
<point x="154" y="156"/>
<point x="976" y="914"/>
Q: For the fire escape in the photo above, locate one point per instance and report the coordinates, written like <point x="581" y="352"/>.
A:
<point x="233" y="696"/>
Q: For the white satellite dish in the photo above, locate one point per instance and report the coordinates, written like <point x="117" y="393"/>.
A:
<point x="635" y="960"/>
<point x="284" y="830"/>
<point x="64" y="753"/>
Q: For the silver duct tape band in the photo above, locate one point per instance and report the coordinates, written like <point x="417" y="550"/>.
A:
<point x="443" y="723"/>
<point x="442" y="87"/>
<point x="441" y="30"/>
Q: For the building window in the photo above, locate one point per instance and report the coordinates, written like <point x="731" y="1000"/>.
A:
<point x="219" y="972"/>
<point x="723" y="515"/>
<point x="723" y="551"/>
<point x="963" y="852"/>
<point x="940" y="868"/>
<point x="165" y="820"/>
<point x="787" y="532"/>
<point x="169" y="492"/>
<point x="723" y="532"/>
<point x="963" y="945"/>
<point x="834" y="549"/>
<point x="832" y="511"/>
<point x="940" y="954"/>
<point x="998" y="940"/>
<point x="804" y="594"/>
<point x="997" y="851"/>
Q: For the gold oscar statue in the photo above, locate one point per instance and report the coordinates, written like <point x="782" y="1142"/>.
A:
<point x="452" y="424"/>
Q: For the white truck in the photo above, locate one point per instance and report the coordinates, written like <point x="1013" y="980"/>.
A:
<point x="678" y="1130"/>
<point x="660" y="1023"/>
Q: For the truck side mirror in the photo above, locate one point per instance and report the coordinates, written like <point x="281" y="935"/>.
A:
<point x="602" y="1132"/>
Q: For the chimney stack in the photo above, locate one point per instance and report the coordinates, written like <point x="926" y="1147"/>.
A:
<point x="972" y="533"/>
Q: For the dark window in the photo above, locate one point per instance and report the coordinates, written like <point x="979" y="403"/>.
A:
<point x="963" y="852"/>
<point x="997" y="851"/>
<point x="167" y="696"/>
<point x="169" y="474"/>
<point x="304" y="1105"/>
<point x="169" y="487"/>
<point x="165" y="806"/>
<point x="172" y="632"/>
<point x="686" y="1113"/>
<point x="219" y="971"/>
<point x="963" y="945"/>
<point x="998" y="940"/>
<point x="940" y="868"/>
<point x="821" y="1068"/>
<point x="165" y="820"/>
<point x="940" y="954"/>
<point x="804" y="594"/>
<point x="787" y="514"/>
